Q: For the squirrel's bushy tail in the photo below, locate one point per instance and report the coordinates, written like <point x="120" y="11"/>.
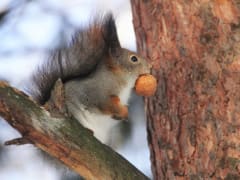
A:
<point x="87" y="48"/>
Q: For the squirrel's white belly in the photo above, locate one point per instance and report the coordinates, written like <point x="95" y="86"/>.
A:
<point x="126" y="91"/>
<point x="100" y="124"/>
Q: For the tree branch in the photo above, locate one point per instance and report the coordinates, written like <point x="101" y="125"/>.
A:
<point x="63" y="138"/>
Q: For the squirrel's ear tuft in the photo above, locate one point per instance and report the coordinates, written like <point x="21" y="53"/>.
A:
<point x="110" y="34"/>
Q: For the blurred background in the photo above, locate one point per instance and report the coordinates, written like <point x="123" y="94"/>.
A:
<point x="29" y="29"/>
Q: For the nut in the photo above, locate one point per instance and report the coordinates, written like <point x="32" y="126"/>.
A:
<point x="146" y="85"/>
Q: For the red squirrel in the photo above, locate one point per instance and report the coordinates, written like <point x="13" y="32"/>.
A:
<point x="98" y="76"/>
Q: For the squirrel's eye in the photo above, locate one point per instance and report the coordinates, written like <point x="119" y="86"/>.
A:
<point x="134" y="59"/>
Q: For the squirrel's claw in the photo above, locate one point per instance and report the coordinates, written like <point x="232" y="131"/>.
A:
<point x="122" y="113"/>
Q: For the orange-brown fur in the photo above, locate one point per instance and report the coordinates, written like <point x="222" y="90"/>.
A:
<point x="115" y="108"/>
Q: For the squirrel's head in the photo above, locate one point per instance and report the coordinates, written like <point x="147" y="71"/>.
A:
<point x="130" y="62"/>
<point x="127" y="60"/>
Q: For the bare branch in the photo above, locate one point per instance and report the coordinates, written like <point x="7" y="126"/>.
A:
<point x="63" y="138"/>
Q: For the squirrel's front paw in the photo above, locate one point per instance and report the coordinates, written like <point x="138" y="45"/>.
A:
<point x="114" y="107"/>
<point x="122" y="113"/>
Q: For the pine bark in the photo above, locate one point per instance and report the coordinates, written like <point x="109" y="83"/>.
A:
<point x="194" y="118"/>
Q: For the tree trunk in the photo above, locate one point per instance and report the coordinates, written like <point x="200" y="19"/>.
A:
<point x="194" y="118"/>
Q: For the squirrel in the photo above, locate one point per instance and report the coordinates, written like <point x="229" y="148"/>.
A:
<point x="98" y="76"/>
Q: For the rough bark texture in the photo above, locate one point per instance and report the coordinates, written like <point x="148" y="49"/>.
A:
<point x="63" y="138"/>
<point x="194" y="118"/>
